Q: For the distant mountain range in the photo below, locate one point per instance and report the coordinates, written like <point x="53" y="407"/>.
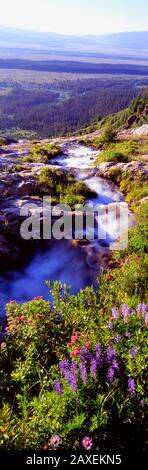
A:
<point x="130" y="43"/>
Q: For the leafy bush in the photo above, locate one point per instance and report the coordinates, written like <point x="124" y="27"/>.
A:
<point x="108" y="134"/>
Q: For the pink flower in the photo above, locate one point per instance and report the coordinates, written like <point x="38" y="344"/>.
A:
<point x="55" y="441"/>
<point x="76" y="352"/>
<point x="68" y="345"/>
<point x="29" y="321"/>
<point x="87" y="344"/>
<point x="86" y="336"/>
<point x="87" y="443"/>
<point x="74" y="339"/>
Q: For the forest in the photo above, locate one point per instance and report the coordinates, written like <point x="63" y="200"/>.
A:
<point x="62" y="106"/>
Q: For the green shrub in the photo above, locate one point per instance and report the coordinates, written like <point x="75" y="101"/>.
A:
<point x="63" y="188"/>
<point x="42" y="153"/>
<point x="108" y="134"/>
<point x="111" y="156"/>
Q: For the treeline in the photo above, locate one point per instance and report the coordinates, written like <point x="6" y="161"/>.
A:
<point x="62" y="66"/>
<point x="64" y="107"/>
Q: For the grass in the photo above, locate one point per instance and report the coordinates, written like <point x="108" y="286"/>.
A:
<point x="123" y="150"/>
<point x="62" y="187"/>
<point x="42" y="153"/>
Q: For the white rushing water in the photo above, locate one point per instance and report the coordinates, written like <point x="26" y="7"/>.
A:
<point x="62" y="260"/>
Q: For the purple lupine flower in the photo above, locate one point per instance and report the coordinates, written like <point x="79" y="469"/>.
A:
<point x="110" y="375"/>
<point x="72" y="380"/>
<point x="142" y="308"/>
<point x="58" y="387"/>
<point x="72" y="376"/>
<point x="93" y="367"/>
<point x="115" y="365"/>
<point x="133" y="352"/>
<point x="87" y="443"/>
<point x="110" y="354"/>
<point x="86" y="355"/>
<point x="83" y="372"/>
<point x="127" y="334"/>
<point x="131" y="387"/>
<point x="117" y="338"/>
<point x="74" y="367"/>
<point x="54" y="441"/>
<point x="110" y="325"/>
<point x="64" y="367"/>
<point x="142" y="403"/>
<point x="125" y="310"/>
<point x="98" y="355"/>
<point x="115" y="313"/>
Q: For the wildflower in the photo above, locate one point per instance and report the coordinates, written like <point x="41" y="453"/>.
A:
<point x="98" y="355"/>
<point x="74" y="339"/>
<point x="54" y="441"/>
<point x="146" y="319"/>
<point x="142" y="308"/>
<point x="87" y="344"/>
<point x="87" y="443"/>
<point x="110" y="354"/>
<point x="110" y="325"/>
<point x="76" y="352"/>
<point x="110" y="375"/>
<point x="127" y="334"/>
<point x="93" y="367"/>
<point x="64" y="367"/>
<point x="131" y="387"/>
<point x="12" y="302"/>
<point x="115" y="365"/>
<point x="68" y="345"/>
<point x="86" y="336"/>
<point x="83" y="372"/>
<point x="58" y="388"/>
<point x="115" y="313"/>
<point x="117" y="338"/>
<point x="133" y="352"/>
<point x="85" y="354"/>
<point x="72" y="376"/>
<point x="125" y="311"/>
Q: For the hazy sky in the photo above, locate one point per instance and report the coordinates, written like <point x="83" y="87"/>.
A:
<point x="76" y="16"/>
